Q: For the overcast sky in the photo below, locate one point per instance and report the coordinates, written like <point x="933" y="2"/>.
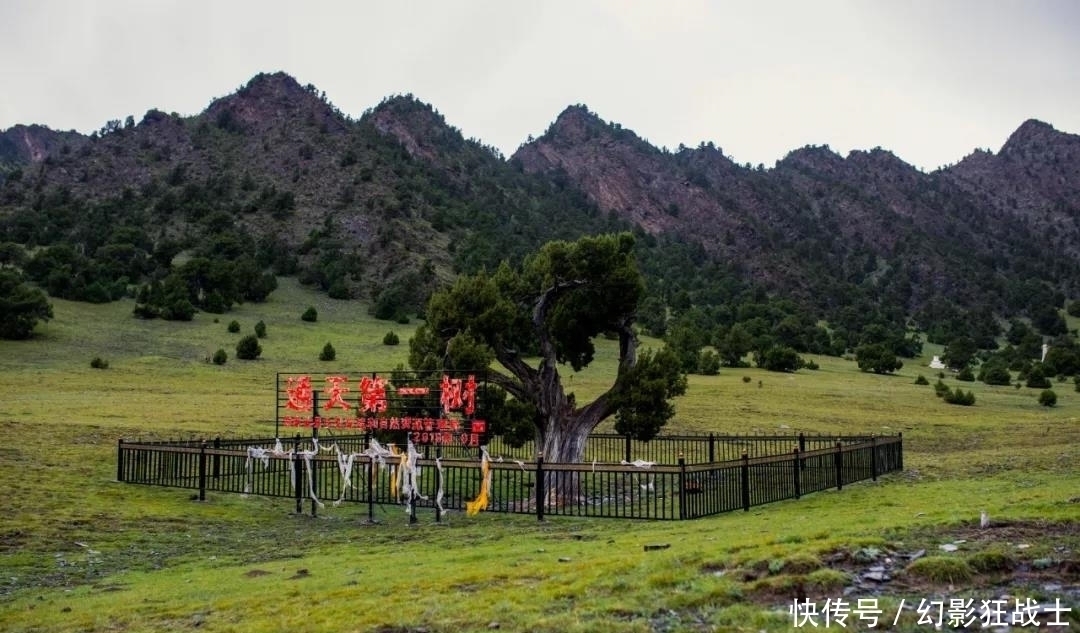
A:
<point x="929" y="79"/>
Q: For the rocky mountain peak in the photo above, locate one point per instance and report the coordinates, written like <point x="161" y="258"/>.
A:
<point x="1031" y="138"/>
<point x="270" y="98"/>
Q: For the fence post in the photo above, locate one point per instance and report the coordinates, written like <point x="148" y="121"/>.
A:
<point x="217" y="458"/>
<point x="838" y="459"/>
<point x="712" y="448"/>
<point x="438" y="482"/>
<point x="298" y="475"/>
<point x="682" y="486"/>
<point x="796" y="466"/>
<point x="900" y="450"/>
<point x="120" y="460"/>
<point x="626" y="450"/>
<point x="202" y="470"/>
<point x="540" y="486"/>
<point x="745" y="477"/>
<point x="802" y="447"/>
<point x="371" y="489"/>
<point x="873" y="457"/>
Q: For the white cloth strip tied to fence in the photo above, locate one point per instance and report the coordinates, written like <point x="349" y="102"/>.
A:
<point x="409" y="477"/>
<point x="263" y="455"/>
<point x="405" y="475"/>
<point x="439" y="492"/>
<point x="648" y="486"/>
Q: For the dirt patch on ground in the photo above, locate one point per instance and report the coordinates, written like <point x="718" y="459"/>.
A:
<point x="1006" y="559"/>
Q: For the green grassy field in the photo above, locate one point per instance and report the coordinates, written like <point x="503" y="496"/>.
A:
<point x="81" y="552"/>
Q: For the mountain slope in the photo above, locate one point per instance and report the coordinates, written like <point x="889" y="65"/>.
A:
<point x="817" y="219"/>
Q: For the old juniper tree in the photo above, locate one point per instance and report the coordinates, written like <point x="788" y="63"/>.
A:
<point x="543" y="315"/>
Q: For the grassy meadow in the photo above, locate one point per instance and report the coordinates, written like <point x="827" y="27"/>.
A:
<point x="81" y="552"/>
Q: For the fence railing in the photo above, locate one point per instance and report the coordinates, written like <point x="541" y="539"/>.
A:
<point x="679" y="489"/>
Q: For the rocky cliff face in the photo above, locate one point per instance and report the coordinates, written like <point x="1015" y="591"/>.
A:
<point x="400" y="186"/>
<point x="868" y="211"/>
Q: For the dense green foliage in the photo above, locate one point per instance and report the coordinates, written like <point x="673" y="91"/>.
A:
<point x="877" y="358"/>
<point x="21" y="306"/>
<point x="554" y="306"/>
<point x="328" y="352"/>
<point x="248" y="348"/>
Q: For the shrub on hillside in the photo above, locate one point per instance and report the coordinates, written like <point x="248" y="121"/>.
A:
<point x="708" y="363"/>
<point x="391" y="338"/>
<point x="966" y="375"/>
<point x="220" y="357"/>
<point x="1048" y="398"/>
<point x="958" y="396"/>
<point x="921" y="380"/>
<point x="234" y="326"/>
<point x="995" y="372"/>
<point x="99" y="363"/>
<point x="1036" y="378"/>
<point x="779" y="358"/>
<point x="310" y="315"/>
<point x="248" y="348"/>
<point x="877" y="358"/>
<point x="328" y="352"/>
<point x="940" y="389"/>
<point x="260" y="329"/>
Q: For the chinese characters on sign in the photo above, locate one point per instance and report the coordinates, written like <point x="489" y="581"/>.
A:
<point x="951" y="613"/>
<point x="373" y="403"/>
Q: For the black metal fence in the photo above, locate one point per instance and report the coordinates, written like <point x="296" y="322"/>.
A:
<point x="707" y="474"/>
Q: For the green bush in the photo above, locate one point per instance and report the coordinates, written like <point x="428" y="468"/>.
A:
<point x="921" y="380"/>
<point x="260" y="329"/>
<point x="779" y="358"/>
<point x="941" y="389"/>
<point x="220" y="357"/>
<point x="390" y="339"/>
<point x="99" y="363"/>
<point x="959" y="397"/>
<point x="1048" y="398"/>
<point x="708" y="363"/>
<point x="1036" y="378"/>
<point x="328" y="352"/>
<point x="966" y="375"/>
<point x="234" y="326"/>
<point x="310" y="315"/>
<point x="1076" y="382"/>
<point x="248" y="348"/>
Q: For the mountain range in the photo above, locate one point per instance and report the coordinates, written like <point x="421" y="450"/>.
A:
<point x="398" y="201"/>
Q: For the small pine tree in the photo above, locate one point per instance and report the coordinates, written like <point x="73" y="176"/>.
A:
<point x="1048" y="398"/>
<point x="310" y="315"/>
<point x="959" y="397"/>
<point x="248" y="348"/>
<point x="921" y="380"/>
<point x="328" y="352"/>
<point x="234" y="326"/>
<point x="99" y="363"/>
<point x="966" y="375"/>
<point x="391" y="338"/>
<point x="220" y="357"/>
<point x="260" y="329"/>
